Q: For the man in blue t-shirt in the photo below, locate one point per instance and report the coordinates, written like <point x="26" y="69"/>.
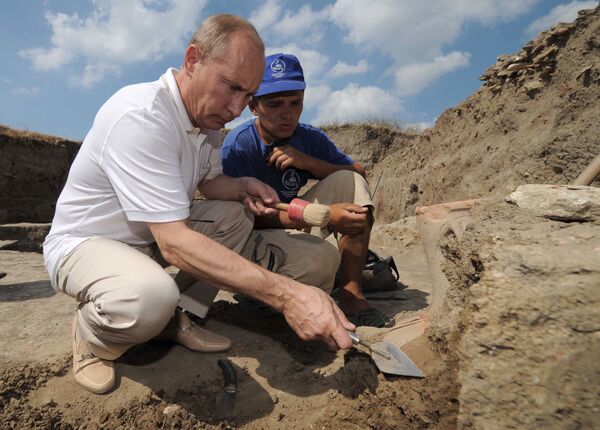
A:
<point x="284" y="153"/>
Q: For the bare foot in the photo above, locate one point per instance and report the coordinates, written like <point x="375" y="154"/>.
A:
<point x="352" y="303"/>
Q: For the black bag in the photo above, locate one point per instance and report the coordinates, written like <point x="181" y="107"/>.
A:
<point x="379" y="274"/>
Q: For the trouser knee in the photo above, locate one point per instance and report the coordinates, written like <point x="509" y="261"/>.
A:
<point x="324" y="264"/>
<point x="140" y="311"/>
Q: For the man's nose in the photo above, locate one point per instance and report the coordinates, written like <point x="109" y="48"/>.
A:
<point x="237" y="105"/>
<point x="286" y="113"/>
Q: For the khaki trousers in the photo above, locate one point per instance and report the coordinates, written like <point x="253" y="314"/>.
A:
<point x="306" y="256"/>
<point x="125" y="296"/>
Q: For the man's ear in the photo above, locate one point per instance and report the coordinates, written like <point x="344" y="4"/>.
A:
<point x="252" y="105"/>
<point x="192" y="56"/>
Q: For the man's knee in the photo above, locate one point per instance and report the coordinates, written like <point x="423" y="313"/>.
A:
<point x="343" y="186"/>
<point x="147" y="306"/>
<point x="325" y="260"/>
<point x="345" y="176"/>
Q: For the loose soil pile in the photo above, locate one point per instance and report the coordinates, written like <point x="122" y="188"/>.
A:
<point x="516" y="347"/>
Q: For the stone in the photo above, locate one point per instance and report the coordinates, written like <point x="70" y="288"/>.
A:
<point x="533" y="86"/>
<point x="551" y="51"/>
<point x="572" y="203"/>
<point x="560" y="31"/>
<point x="514" y="67"/>
<point x="172" y="409"/>
<point x="537" y="49"/>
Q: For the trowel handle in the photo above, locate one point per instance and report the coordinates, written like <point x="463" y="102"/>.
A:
<point x="358" y="340"/>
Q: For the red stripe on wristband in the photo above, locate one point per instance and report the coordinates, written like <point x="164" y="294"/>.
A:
<point x="296" y="209"/>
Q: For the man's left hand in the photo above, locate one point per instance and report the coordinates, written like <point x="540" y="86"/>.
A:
<point x="258" y="196"/>
<point x="285" y="156"/>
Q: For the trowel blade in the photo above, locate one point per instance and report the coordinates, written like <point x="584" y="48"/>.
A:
<point x="398" y="364"/>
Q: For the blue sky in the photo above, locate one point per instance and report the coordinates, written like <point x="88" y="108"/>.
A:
<point x="404" y="60"/>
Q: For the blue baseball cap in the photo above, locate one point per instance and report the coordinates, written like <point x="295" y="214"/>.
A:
<point x="283" y="72"/>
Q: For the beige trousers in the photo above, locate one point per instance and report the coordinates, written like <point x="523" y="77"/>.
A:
<point x="125" y="296"/>
<point x="306" y="256"/>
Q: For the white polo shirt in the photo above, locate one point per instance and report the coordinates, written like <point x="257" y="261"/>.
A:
<point x="141" y="162"/>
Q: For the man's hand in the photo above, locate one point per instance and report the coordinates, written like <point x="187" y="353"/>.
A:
<point x="257" y="196"/>
<point x="313" y="315"/>
<point x="348" y="219"/>
<point x="285" y="156"/>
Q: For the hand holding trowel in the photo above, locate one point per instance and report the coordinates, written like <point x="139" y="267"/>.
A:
<point x="389" y="358"/>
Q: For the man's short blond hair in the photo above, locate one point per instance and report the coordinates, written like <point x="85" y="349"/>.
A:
<point x="212" y="36"/>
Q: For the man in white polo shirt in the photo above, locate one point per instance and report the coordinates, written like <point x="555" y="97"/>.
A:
<point x="126" y="211"/>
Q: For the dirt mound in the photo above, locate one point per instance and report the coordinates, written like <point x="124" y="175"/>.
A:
<point x="529" y="285"/>
<point x="34" y="170"/>
<point x="534" y="121"/>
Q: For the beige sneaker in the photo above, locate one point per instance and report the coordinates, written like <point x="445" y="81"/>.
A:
<point x="91" y="372"/>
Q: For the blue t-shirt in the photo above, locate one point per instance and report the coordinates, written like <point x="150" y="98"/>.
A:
<point x="244" y="154"/>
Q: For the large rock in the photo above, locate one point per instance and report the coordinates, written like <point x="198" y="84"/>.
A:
<point x="559" y="202"/>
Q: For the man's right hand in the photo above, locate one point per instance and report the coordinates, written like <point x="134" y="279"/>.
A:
<point x="348" y="218"/>
<point x="313" y="315"/>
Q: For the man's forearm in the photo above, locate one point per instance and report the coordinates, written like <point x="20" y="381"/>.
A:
<point x="223" y="187"/>
<point x="279" y="220"/>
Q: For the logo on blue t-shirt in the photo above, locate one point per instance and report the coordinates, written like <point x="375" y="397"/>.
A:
<point x="291" y="179"/>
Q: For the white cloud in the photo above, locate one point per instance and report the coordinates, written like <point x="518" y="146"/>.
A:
<point x="407" y="30"/>
<point x="416" y="32"/>
<point x="344" y="69"/>
<point x="561" y="13"/>
<point x="315" y="95"/>
<point x="313" y="62"/>
<point x="118" y="32"/>
<point x="92" y="74"/>
<point x="266" y="15"/>
<point x="302" y="23"/>
<point x="413" y="78"/>
<point x="32" y="91"/>
<point x="274" y="22"/>
<point x="358" y="103"/>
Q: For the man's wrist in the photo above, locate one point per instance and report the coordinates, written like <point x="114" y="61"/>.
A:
<point x="242" y="187"/>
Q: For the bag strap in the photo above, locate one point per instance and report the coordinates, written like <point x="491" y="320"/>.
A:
<point x="392" y="264"/>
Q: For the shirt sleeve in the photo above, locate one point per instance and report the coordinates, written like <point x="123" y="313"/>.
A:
<point x="237" y="157"/>
<point x="142" y="159"/>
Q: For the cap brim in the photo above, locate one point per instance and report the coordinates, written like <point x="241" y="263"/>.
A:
<point x="279" y="87"/>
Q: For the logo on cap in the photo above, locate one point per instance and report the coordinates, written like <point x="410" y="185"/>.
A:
<point x="278" y="67"/>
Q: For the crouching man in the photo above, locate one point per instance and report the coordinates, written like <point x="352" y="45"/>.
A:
<point x="284" y="153"/>
<point x="126" y="211"/>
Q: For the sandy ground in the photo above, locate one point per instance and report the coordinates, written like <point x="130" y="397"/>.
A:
<point x="283" y="381"/>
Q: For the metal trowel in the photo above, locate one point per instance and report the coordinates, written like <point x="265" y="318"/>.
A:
<point x="389" y="358"/>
